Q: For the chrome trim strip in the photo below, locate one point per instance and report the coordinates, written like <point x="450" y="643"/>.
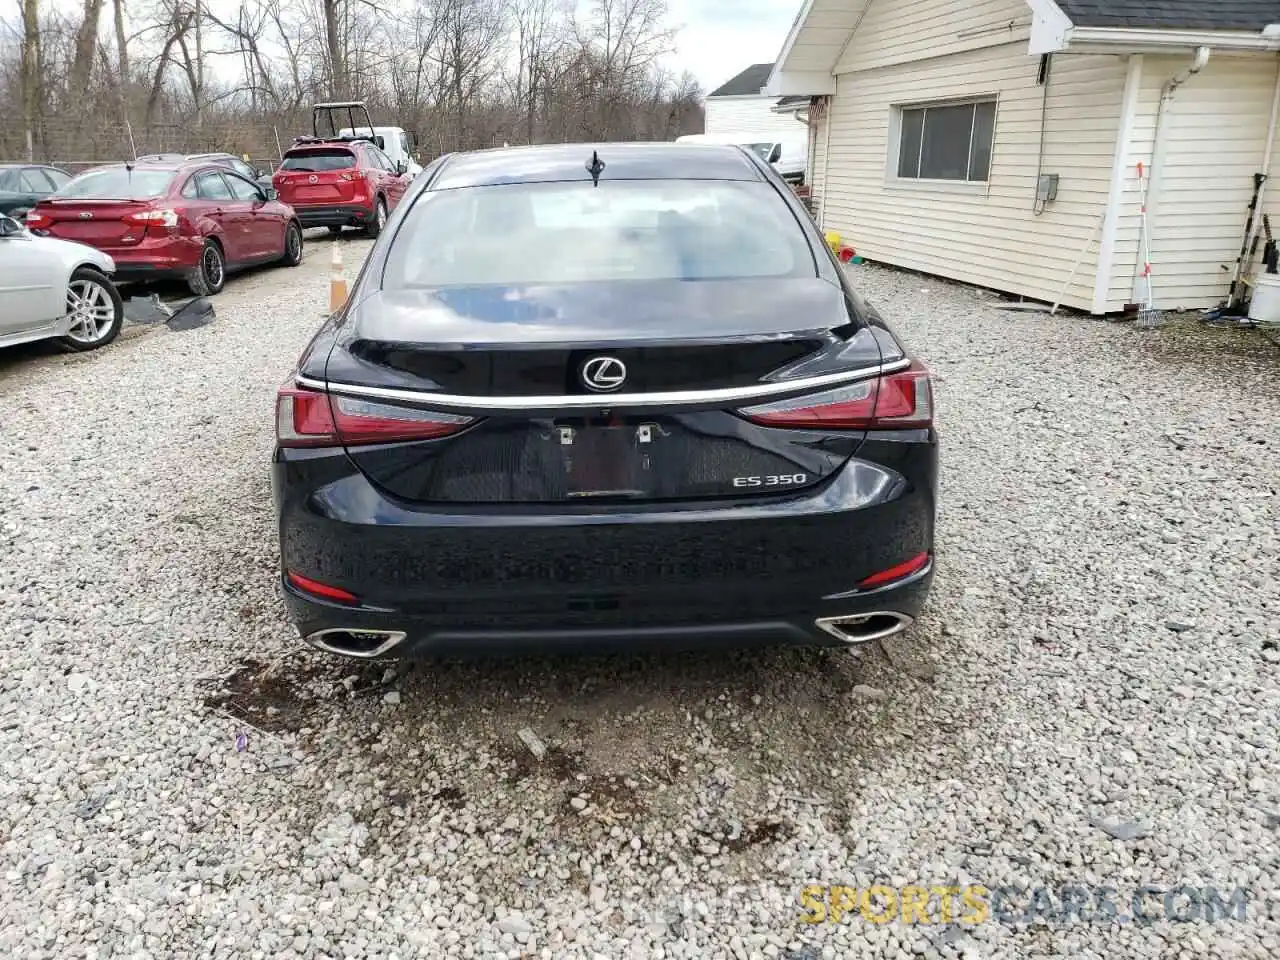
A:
<point x="602" y="401"/>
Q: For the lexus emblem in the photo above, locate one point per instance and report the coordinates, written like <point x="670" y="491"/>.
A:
<point x="86" y="215"/>
<point x="603" y="374"/>
<point x="313" y="179"/>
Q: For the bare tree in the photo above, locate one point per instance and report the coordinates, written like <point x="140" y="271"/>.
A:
<point x="86" y="44"/>
<point x="539" y="36"/>
<point x="469" y="40"/>
<point x="626" y="39"/>
<point x="122" y="47"/>
<point x="32" y="94"/>
<point x="461" y="73"/>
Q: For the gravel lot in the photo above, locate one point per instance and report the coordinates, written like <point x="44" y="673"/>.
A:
<point x="1101" y="658"/>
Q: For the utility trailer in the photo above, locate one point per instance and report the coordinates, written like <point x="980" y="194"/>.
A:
<point x="325" y="116"/>
<point x="327" y="124"/>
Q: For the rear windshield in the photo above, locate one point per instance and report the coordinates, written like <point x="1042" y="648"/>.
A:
<point x="118" y="183"/>
<point x="315" y="161"/>
<point x="540" y="233"/>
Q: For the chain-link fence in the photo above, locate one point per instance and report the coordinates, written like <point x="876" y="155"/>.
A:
<point x="77" y="143"/>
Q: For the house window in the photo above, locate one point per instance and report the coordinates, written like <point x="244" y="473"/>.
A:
<point x="950" y="141"/>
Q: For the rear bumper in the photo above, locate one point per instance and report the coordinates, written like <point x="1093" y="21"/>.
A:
<point x="456" y="581"/>
<point x="156" y="258"/>
<point x="401" y="635"/>
<point x="341" y="215"/>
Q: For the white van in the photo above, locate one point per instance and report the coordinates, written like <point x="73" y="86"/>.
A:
<point x="789" y="155"/>
<point x="397" y="144"/>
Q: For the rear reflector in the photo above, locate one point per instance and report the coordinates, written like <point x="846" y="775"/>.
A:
<point x="902" y="570"/>
<point x="318" y="589"/>
<point x="896" y="401"/>
<point x="307" y="418"/>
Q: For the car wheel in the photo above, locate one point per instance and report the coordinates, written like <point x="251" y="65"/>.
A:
<point x="96" y="310"/>
<point x="374" y="226"/>
<point x="292" y="245"/>
<point x="335" y="231"/>
<point x="211" y="273"/>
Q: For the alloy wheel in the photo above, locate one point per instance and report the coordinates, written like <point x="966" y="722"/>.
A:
<point x="92" y="310"/>
<point x="211" y="263"/>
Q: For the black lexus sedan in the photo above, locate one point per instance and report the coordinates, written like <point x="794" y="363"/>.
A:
<point x="603" y="396"/>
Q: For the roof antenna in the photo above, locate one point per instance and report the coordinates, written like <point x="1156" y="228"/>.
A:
<point x="595" y="168"/>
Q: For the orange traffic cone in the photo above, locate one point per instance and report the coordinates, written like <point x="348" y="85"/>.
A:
<point x="337" y="280"/>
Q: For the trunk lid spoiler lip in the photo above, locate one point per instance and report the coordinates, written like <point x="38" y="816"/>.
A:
<point x="603" y="401"/>
<point x="58" y="201"/>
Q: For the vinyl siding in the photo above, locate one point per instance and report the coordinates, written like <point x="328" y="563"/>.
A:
<point x="988" y="236"/>
<point x="730" y="116"/>
<point x="1213" y="137"/>
<point x="901" y="31"/>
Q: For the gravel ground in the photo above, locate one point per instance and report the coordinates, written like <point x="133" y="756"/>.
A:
<point x="1093" y="699"/>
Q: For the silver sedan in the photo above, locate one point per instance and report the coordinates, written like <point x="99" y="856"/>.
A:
<point x="55" y="289"/>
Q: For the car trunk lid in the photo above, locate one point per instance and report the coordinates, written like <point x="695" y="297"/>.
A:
<point x="93" y="221"/>
<point x="497" y="378"/>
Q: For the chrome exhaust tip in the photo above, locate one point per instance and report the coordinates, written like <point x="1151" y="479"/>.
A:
<point x="362" y="644"/>
<point x="864" y="627"/>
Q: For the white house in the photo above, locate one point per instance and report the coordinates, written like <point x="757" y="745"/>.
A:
<point x="998" y="142"/>
<point x="740" y="106"/>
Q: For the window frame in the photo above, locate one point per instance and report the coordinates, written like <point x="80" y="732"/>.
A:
<point x="241" y="169"/>
<point x="325" y="151"/>
<point x="894" y="152"/>
<point x="213" y="172"/>
<point x="816" y="253"/>
<point x="29" y="182"/>
<point x="378" y="159"/>
<point x="231" y="178"/>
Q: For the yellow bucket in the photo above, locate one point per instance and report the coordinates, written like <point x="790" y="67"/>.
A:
<point x="833" y="241"/>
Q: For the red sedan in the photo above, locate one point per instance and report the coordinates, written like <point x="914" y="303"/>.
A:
<point x="190" y="221"/>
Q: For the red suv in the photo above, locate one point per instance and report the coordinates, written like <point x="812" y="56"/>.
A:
<point x="340" y="183"/>
<point x="190" y="221"/>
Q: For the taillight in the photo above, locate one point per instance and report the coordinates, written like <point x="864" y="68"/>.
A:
<point x="38" y="221"/>
<point x="896" y="401"/>
<point x="168" y="219"/>
<point x="347" y="175"/>
<point x="305" y="418"/>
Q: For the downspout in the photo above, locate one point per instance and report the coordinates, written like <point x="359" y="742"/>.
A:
<point x="1157" y="155"/>
<point x="1259" y="208"/>
<point x="803" y="117"/>
<point x="1166" y="94"/>
<point x="826" y="163"/>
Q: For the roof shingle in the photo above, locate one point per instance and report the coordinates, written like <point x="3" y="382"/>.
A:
<point x="746" y="84"/>
<point x="1250" y="15"/>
